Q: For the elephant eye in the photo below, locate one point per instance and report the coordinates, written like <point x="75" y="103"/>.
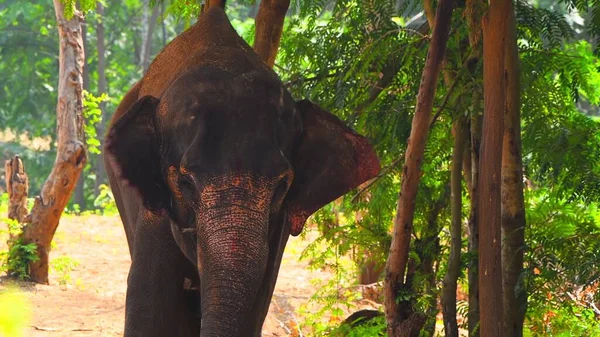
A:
<point x="187" y="187"/>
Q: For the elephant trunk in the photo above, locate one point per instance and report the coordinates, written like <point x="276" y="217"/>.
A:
<point x="232" y="257"/>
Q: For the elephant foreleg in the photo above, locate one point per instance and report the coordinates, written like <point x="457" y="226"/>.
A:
<point x="157" y="303"/>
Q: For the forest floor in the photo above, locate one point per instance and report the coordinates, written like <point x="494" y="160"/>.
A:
<point x="89" y="265"/>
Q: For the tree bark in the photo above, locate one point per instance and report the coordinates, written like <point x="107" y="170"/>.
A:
<point x="17" y="187"/>
<point x="474" y="12"/>
<point x="269" y="26"/>
<point x="70" y="153"/>
<point x="449" y="287"/>
<point x="490" y="265"/>
<point x="79" y="195"/>
<point x="212" y="3"/>
<point x="513" y="205"/>
<point x="403" y="222"/>
<point x="466" y="167"/>
<point x="102" y="89"/>
<point x="449" y="283"/>
<point x="428" y="250"/>
<point x="473" y="274"/>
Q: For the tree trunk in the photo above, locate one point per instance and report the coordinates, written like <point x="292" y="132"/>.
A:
<point x="403" y="222"/>
<point x="513" y="205"/>
<point x="102" y="89"/>
<point x="474" y="12"/>
<point x="163" y="25"/>
<point x="212" y="3"/>
<point x="449" y="287"/>
<point x="17" y="187"/>
<point x="269" y="26"/>
<point x="148" y="24"/>
<point x="473" y="274"/>
<point x="70" y="153"/>
<point x="490" y="266"/>
<point x="449" y="284"/>
<point x="428" y="250"/>
<point x="79" y="195"/>
<point x="466" y="166"/>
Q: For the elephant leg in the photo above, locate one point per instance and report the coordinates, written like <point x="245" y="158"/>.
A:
<point x="157" y="304"/>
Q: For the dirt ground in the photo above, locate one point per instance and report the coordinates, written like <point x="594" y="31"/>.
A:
<point x="88" y="299"/>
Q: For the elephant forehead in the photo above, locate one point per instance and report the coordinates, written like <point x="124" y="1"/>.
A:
<point x="248" y="181"/>
<point x="235" y="188"/>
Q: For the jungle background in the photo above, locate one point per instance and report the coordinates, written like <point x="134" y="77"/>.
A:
<point x="362" y="60"/>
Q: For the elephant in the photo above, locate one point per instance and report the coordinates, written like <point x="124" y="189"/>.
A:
<point x="213" y="166"/>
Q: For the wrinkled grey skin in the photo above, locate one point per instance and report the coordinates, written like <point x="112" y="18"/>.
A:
<point x="213" y="165"/>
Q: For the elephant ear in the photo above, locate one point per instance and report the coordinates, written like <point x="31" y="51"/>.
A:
<point x="329" y="160"/>
<point x="132" y="144"/>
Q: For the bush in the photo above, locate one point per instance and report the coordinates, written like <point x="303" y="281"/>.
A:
<point x="15" y="261"/>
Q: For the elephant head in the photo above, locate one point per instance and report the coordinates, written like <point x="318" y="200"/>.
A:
<point x="234" y="157"/>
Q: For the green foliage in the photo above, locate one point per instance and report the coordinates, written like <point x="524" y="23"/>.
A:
<point x="28" y="50"/>
<point x="105" y="202"/>
<point x="334" y="296"/>
<point x="93" y="115"/>
<point x="189" y="10"/>
<point x="71" y="6"/>
<point x="563" y="152"/>
<point x="63" y="265"/>
<point x="16" y="260"/>
<point x="185" y="10"/>
<point x="563" y="239"/>
<point x="563" y="321"/>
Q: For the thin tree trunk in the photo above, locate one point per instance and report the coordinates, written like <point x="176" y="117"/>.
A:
<point x="70" y="153"/>
<point x="490" y="264"/>
<point x="429" y="254"/>
<point x="269" y="26"/>
<point x="79" y="195"/>
<point x="144" y="24"/>
<point x="449" y="287"/>
<point x="474" y="12"/>
<point x="102" y="89"/>
<point x="513" y="205"/>
<point x="163" y="24"/>
<point x="148" y="24"/>
<point x="449" y="283"/>
<point x="467" y="170"/>
<point x="403" y="222"/>
<point x="473" y="274"/>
